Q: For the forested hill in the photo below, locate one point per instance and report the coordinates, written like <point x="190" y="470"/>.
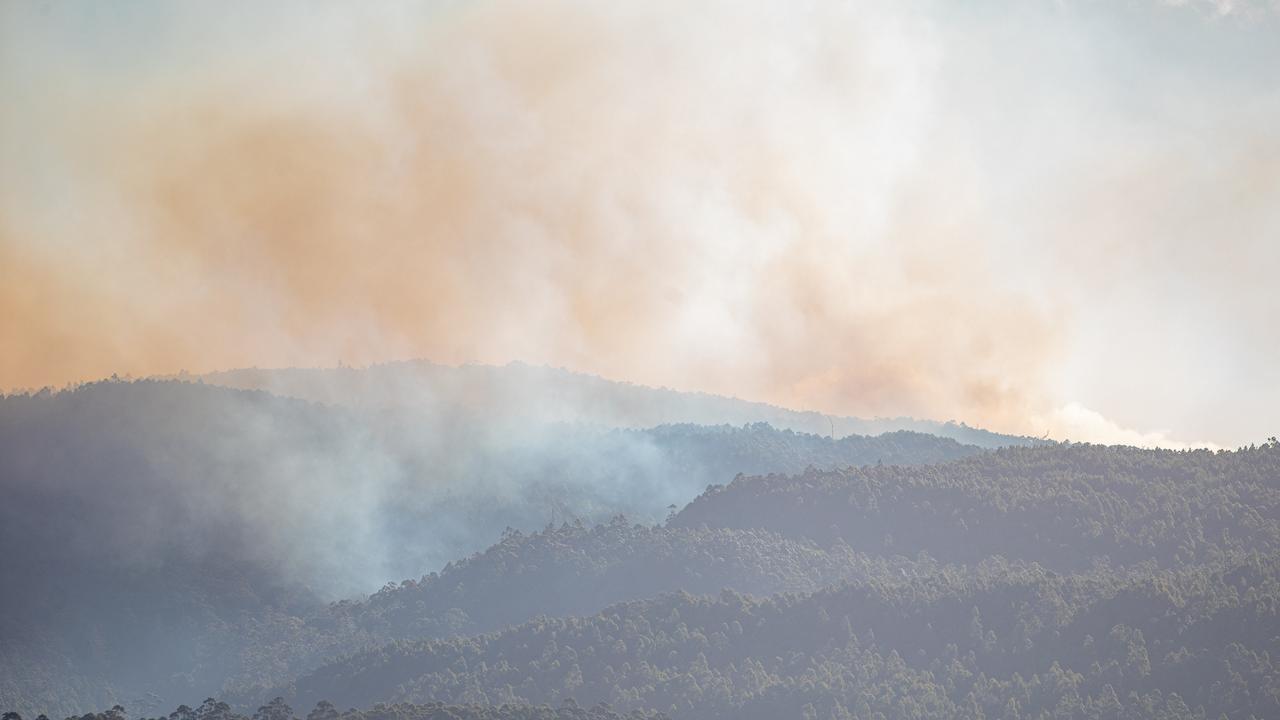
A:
<point x="1170" y="607"/>
<point x="148" y="468"/>
<point x="159" y="535"/>
<point x="518" y="394"/>
<point x="562" y="571"/>
<point x="159" y="538"/>
<point x="999" y="641"/>
<point x="1065" y="506"/>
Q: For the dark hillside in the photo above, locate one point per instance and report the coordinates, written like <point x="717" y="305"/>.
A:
<point x="558" y="572"/>
<point x="165" y="538"/>
<point x="1062" y="506"/>
<point x="1001" y="641"/>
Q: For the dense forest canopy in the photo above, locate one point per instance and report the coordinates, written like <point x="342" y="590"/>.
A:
<point x="1065" y="507"/>
<point x="999" y="640"/>
<point x="169" y="538"/>
<point x="828" y="577"/>
<point x="1171" y="611"/>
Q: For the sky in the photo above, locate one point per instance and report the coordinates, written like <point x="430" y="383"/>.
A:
<point x="1041" y="216"/>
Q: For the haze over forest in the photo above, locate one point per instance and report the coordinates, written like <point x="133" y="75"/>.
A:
<point x="569" y="360"/>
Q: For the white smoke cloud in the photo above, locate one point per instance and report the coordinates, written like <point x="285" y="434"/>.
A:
<point x="1078" y="423"/>
<point x="864" y="208"/>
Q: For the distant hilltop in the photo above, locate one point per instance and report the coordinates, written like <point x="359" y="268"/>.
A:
<point x="519" y="392"/>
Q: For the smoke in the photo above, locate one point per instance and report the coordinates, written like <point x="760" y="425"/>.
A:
<point x="824" y="205"/>
<point x="151" y="476"/>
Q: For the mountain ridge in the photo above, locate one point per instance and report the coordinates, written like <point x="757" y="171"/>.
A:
<point x="575" y="397"/>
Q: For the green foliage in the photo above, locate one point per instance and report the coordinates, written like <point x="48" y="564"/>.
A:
<point x="181" y="539"/>
<point x="1169" y="611"/>
<point x="526" y="575"/>
<point x="1061" y="581"/>
<point x="1064" y="506"/>
<point x="996" y="639"/>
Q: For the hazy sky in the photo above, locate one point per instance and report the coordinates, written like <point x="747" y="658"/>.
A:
<point x="1034" y="216"/>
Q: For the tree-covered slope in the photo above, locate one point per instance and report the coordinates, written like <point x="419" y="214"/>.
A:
<point x="161" y="537"/>
<point x="139" y="470"/>
<point x="1003" y="640"/>
<point x="1063" y="506"/>
<point x="158" y="536"/>
<point x="1174" y="597"/>
<point x="563" y="571"/>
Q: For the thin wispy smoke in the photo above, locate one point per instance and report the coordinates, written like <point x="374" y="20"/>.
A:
<point x="810" y="204"/>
